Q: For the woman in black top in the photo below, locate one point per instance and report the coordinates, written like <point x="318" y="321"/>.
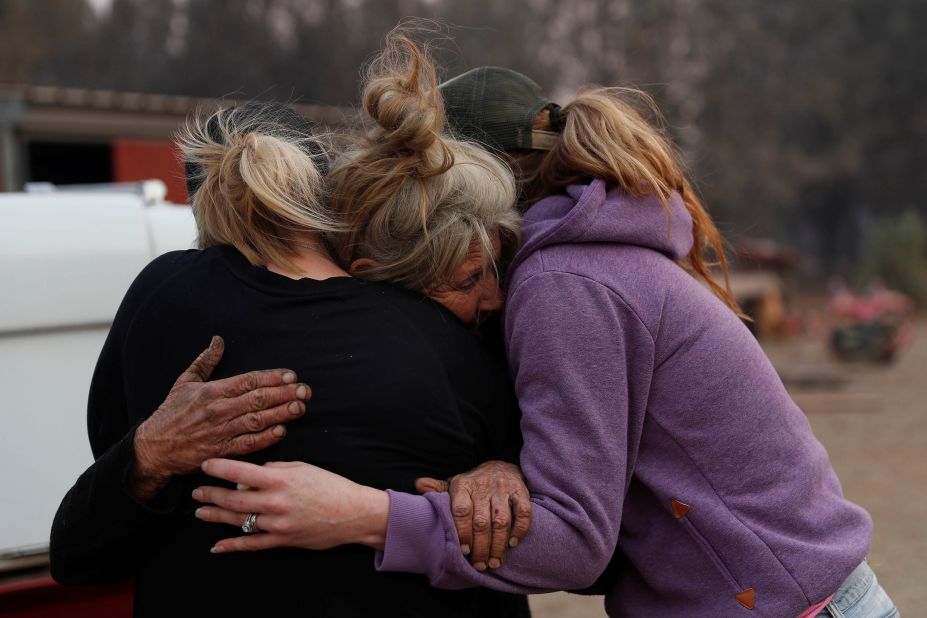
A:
<point x="401" y="387"/>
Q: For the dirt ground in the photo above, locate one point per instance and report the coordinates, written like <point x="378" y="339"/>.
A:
<point x="873" y="421"/>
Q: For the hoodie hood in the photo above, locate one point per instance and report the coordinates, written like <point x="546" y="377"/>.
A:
<point x="595" y="214"/>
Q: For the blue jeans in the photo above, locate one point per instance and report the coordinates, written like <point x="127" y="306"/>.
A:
<point x="860" y="596"/>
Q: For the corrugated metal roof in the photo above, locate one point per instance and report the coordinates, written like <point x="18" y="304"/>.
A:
<point x="144" y="103"/>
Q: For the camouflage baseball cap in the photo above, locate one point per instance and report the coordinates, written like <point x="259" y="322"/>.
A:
<point x="497" y="107"/>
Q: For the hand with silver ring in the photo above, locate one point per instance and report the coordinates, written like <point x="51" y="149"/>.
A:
<point x="300" y="505"/>
<point x="250" y="525"/>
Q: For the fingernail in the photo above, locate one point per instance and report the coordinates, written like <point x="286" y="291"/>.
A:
<point x="465" y="549"/>
<point x="479" y="566"/>
<point x="302" y="391"/>
<point x="278" y="431"/>
<point x="216" y="550"/>
<point x="494" y="563"/>
<point x="197" y="494"/>
<point x="295" y="408"/>
<point x="197" y="512"/>
<point x="513" y="541"/>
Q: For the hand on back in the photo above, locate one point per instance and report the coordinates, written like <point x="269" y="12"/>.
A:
<point x="201" y="419"/>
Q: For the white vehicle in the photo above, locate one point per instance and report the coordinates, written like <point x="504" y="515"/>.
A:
<point x="66" y="260"/>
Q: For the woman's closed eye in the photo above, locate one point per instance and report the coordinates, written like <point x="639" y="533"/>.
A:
<point x="473" y="280"/>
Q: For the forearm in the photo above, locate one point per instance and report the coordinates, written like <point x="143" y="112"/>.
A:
<point x="369" y="525"/>
<point x="147" y="476"/>
<point x="575" y="471"/>
<point x="422" y="538"/>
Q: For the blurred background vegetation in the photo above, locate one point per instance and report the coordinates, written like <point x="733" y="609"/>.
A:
<point x="803" y="121"/>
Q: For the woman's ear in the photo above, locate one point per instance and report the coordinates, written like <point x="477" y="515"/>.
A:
<point x="361" y="264"/>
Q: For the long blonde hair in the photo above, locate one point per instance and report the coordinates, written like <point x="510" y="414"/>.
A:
<point x="412" y="200"/>
<point x="604" y="136"/>
<point x="255" y="173"/>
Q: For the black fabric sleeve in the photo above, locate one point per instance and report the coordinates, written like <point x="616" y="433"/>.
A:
<point x="100" y="532"/>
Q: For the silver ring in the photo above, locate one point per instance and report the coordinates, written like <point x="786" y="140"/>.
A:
<point x="250" y="525"/>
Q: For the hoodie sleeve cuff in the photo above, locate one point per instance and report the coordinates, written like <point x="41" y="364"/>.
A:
<point x="415" y="536"/>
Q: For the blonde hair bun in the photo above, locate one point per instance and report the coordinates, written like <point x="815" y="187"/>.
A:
<point x="402" y="98"/>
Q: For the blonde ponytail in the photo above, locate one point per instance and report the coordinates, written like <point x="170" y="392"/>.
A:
<point x="256" y="181"/>
<point x="604" y="136"/>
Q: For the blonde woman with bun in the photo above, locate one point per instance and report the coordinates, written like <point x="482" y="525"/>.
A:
<point x="401" y="386"/>
<point x="415" y="202"/>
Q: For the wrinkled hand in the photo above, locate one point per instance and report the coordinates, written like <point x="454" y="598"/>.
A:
<point x="491" y="508"/>
<point x="297" y="505"/>
<point x="201" y="419"/>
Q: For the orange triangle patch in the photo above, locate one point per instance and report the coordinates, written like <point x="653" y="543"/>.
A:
<point x="680" y="509"/>
<point x="747" y="598"/>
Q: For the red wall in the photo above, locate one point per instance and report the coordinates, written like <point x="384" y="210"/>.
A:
<point x="135" y="159"/>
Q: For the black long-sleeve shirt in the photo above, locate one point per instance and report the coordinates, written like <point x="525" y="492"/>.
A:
<point x="401" y="389"/>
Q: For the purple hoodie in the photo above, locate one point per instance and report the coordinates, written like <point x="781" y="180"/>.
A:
<point x="653" y="424"/>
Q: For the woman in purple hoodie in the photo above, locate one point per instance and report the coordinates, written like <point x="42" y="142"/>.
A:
<point x="658" y="439"/>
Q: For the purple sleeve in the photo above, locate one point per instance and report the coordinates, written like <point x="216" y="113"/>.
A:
<point x="569" y="341"/>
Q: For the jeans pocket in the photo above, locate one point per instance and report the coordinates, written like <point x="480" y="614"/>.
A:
<point x="861" y="596"/>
